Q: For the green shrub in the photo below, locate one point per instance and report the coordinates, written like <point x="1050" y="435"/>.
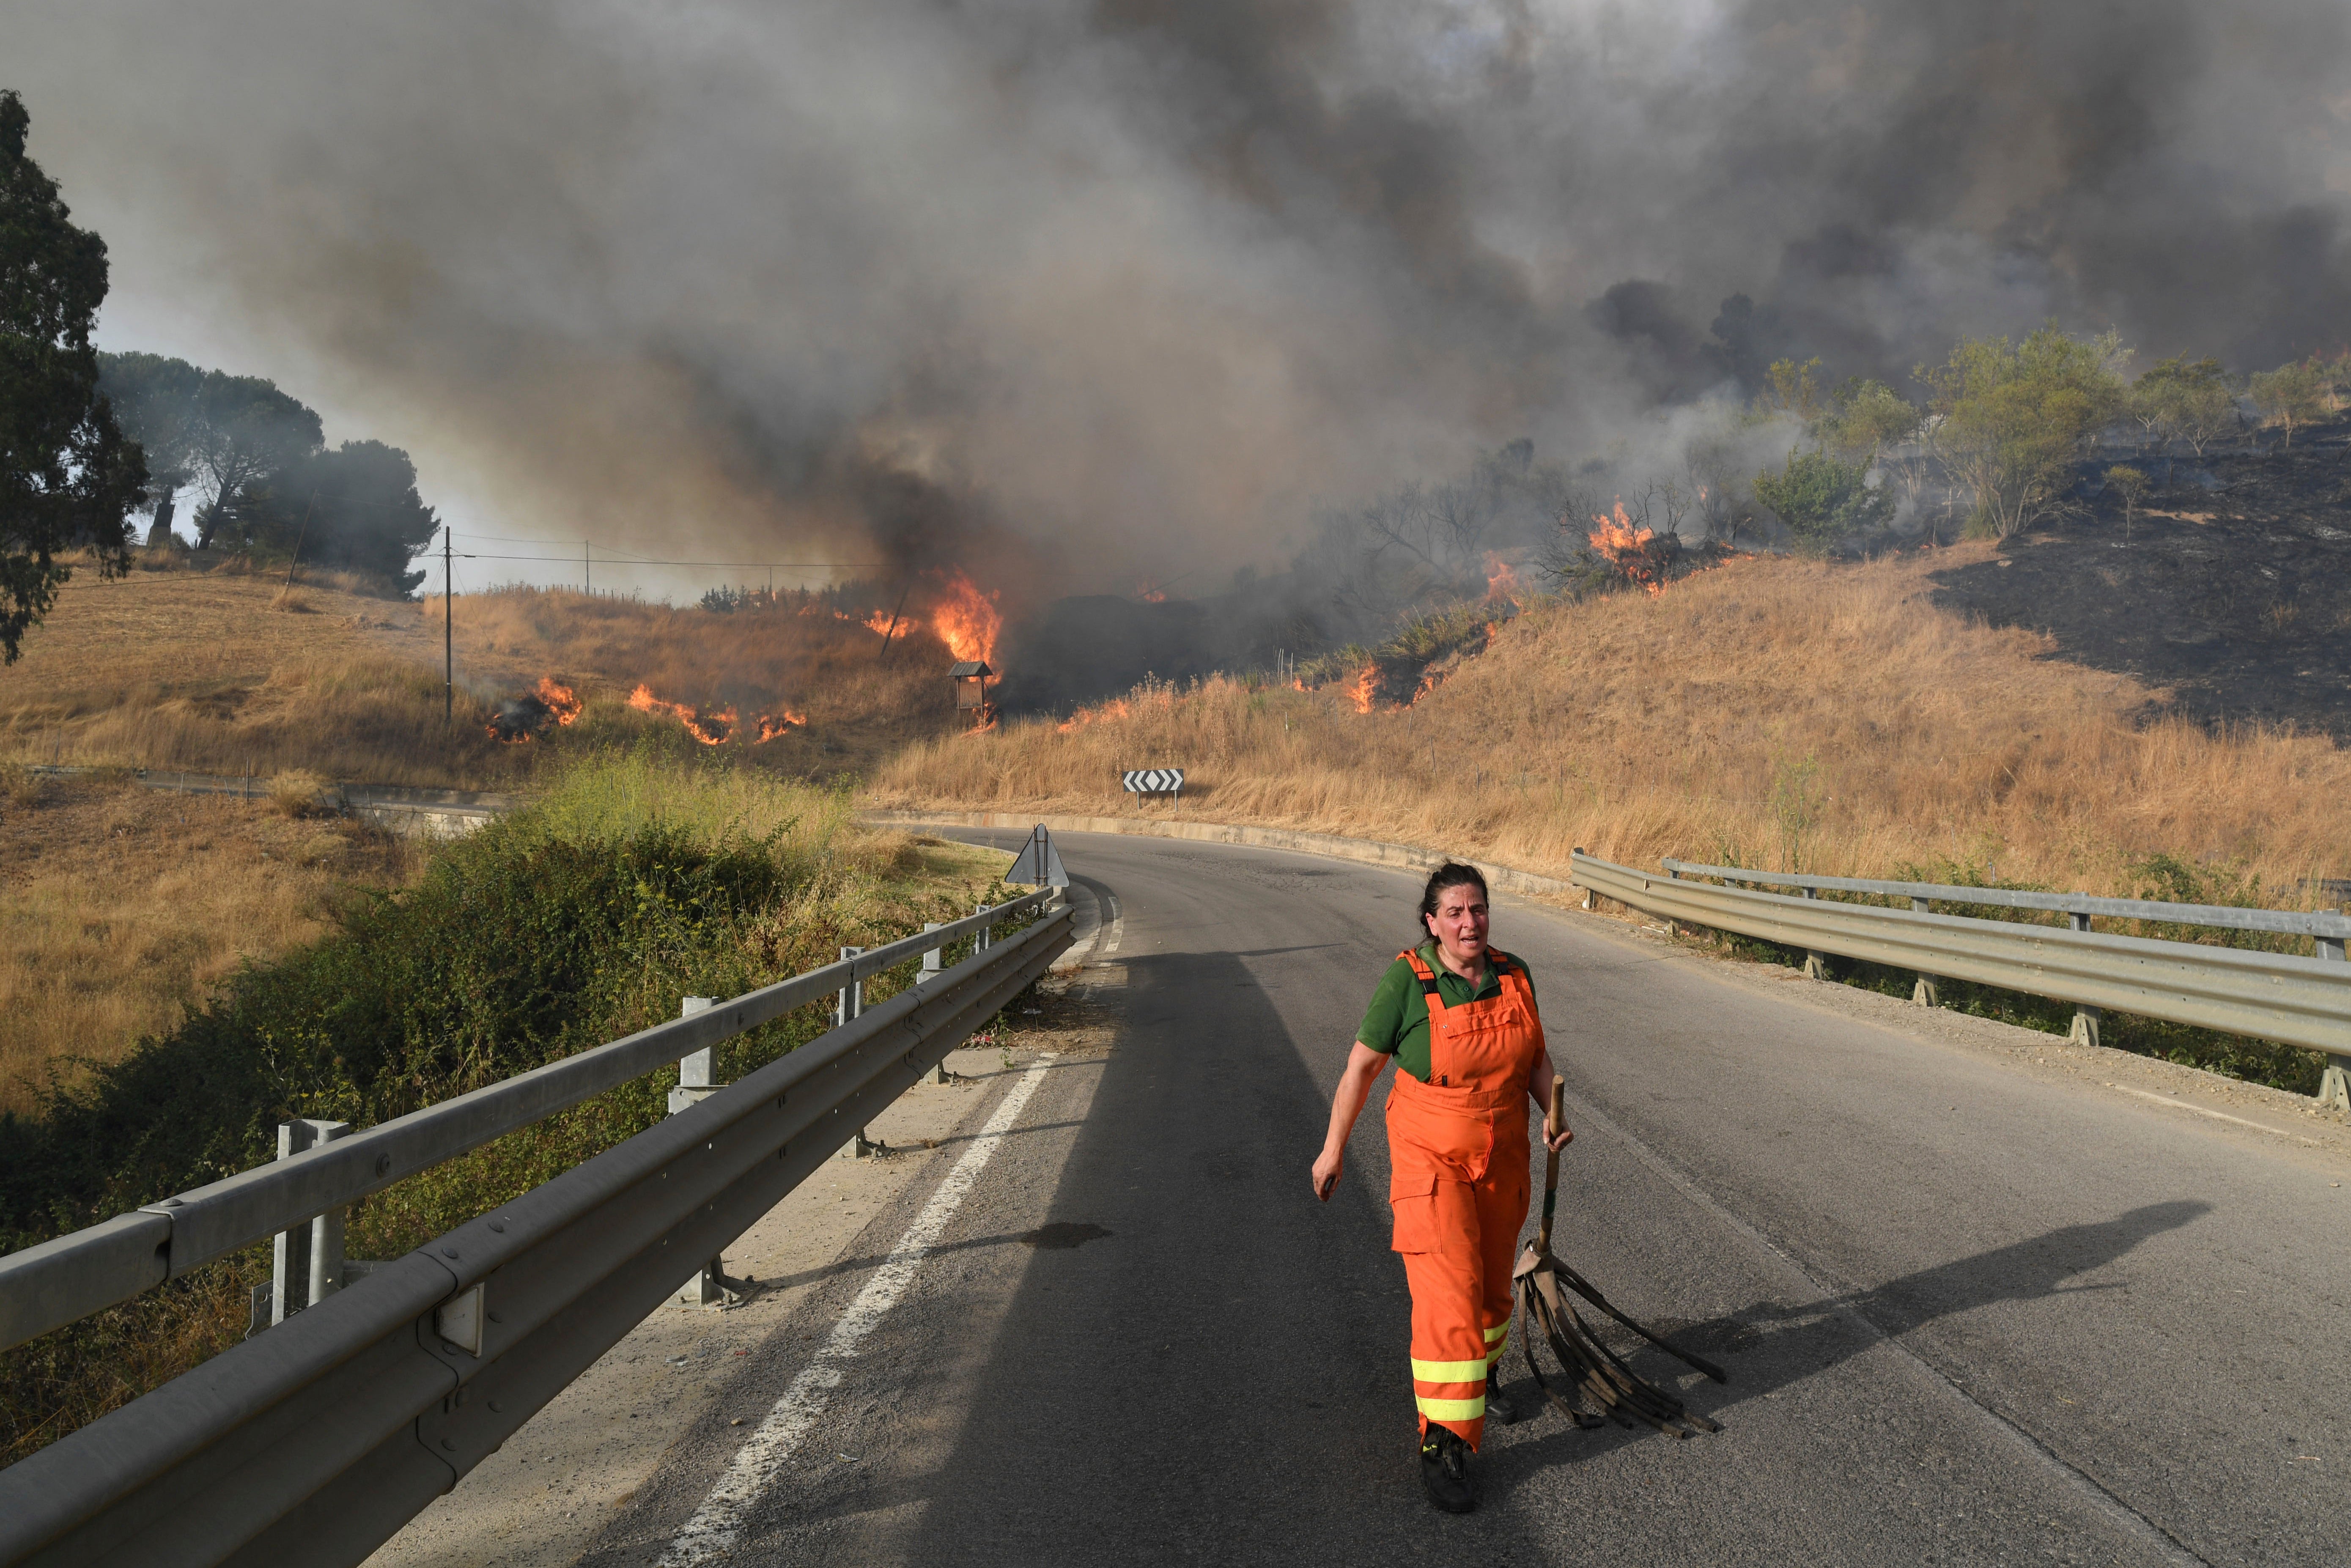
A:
<point x="1822" y="499"/>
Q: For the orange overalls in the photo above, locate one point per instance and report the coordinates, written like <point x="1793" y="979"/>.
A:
<point x="1458" y="1182"/>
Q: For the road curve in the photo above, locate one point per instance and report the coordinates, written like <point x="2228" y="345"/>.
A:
<point x="1969" y="1315"/>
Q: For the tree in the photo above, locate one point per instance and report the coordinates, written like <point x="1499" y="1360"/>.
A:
<point x="2018" y="417"/>
<point x="154" y="400"/>
<point x="1863" y="418"/>
<point x="2297" y="393"/>
<point x="2184" y="402"/>
<point x="1791" y="389"/>
<point x="1822" y="499"/>
<point x="2129" y="485"/>
<point x="68" y="474"/>
<point x="223" y="431"/>
<point x="355" y="508"/>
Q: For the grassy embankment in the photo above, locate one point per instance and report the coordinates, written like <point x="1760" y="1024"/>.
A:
<point x="120" y="906"/>
<point x="223" y="671"/>
<point x="633" y="881"/>
<point x="1773" y="713"/>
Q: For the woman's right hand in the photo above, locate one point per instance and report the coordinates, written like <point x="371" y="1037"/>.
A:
<point x="1327" y="1166"/>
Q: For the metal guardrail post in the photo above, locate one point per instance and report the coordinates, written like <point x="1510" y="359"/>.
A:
<point x="1927" y="993"/>
<point x="695" y="1069"/>
<point x="2334" y="1087"/>
<point x="317" y="1255"/>
<point x="1817" y="963"/>
<point x="2085" y="1018"/>
<point x="931" y="971"/>
<point x="850" y="1004"/>
<point x="696" y="1081"/>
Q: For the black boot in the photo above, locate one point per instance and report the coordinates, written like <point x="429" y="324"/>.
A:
<point x="1499" y="1411"/>
<point x="1445" y="1471"/>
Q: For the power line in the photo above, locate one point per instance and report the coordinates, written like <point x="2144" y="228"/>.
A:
<point x="738" y="565"/>
<point x="620" y="559"/>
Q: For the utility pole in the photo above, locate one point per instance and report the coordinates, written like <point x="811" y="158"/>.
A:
<point x="448" y="630"/>
<point x="587" y="575"/>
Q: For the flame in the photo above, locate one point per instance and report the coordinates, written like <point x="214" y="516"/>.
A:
<point x="1151" y="595"/>
<point x="1429" y="681"/>
<point x="1359" y="690"/>
<point x="967" y="620"/>
<point x="1502" y="584"/>
<point x="711" y="728"/>
<point x="1101" y="712"/>
<point x="1622" y="544"/>
<point x="560" y="700"/>
<point x="878" y="622"/>
<point x="772" y="724"/>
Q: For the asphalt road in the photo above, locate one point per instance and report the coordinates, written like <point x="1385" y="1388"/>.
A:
<point x="1968" y="1316"/>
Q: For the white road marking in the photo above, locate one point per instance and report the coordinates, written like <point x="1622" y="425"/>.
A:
<point x="718" y="1525"/>
<point x="2216" y="1115"/>
<point x="1117" y="925"/>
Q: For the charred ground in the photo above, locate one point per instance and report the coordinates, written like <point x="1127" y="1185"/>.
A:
<point x="2232" y="591"/>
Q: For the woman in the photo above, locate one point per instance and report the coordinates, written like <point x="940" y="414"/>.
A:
<point x="1459" y="1019"/>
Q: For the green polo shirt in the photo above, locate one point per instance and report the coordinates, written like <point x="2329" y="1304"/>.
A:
<point x="1397" y="1023"/>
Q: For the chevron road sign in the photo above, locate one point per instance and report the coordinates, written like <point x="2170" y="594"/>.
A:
<point x="1156" y="782"/>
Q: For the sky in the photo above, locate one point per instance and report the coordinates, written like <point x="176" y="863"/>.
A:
<point x="1081" y="296"/>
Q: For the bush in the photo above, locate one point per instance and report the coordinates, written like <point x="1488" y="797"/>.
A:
<point x="2015" y="419"/>
<point x="1822" y="499"/>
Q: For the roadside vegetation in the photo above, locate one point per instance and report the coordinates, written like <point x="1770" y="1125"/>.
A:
<point x="634" y="881"/>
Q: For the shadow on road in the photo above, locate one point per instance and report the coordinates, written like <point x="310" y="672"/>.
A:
<point x="1770" y="1345"/>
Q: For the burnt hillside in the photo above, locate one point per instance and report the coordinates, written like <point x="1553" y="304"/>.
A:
<point x="2233" y="590"/>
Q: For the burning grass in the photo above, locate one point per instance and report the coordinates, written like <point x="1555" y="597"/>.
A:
<point x="798" y="683"/>
<point x="204" y="671"/>
<point x="1770" y="713"/>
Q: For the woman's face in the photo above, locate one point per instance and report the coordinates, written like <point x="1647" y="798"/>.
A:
<point x="1459" y="923"/>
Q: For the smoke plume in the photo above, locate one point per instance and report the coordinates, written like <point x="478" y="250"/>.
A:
<point x="1083" y="293"/>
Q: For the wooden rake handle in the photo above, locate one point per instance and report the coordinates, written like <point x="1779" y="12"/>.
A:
<point x="1550" y="1162"/>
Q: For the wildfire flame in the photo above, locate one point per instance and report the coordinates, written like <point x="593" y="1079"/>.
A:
<point x="560" y="700"/>
<point x="1101" y="712"/>
<point x="710" y="728"/>
<point x="881" y="622"/>
<point x="1149" y="595"/>
<point x="1625" y="546"/>
<point x="967" y="620"/>
<point x="1359" y="690"/>
<point x="1502" y="586"/>
<point x="772" y="724"/>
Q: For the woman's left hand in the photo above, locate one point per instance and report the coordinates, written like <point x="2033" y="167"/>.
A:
<point x="1556" y="1140"/>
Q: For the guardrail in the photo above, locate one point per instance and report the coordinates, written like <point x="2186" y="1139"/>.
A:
<point x="57" y="1282"/>
<point x="316" y="1441"/>
<point x="2270" y="996"/>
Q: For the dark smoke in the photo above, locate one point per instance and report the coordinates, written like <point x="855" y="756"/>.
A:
<point x="1081" y="295"/>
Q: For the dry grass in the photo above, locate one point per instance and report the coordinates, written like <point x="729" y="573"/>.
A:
<point x="1774" y="713"/>
<point x="207" y="672"/>
<point x="122" y="905"/>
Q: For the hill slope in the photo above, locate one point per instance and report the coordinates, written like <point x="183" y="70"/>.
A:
<point x="1772" y="712"/>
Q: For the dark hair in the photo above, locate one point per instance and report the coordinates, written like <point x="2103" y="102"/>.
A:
<point x="1452" y="873"/>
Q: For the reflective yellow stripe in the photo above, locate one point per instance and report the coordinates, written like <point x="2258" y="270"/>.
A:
<point x="1453" y="1409"/>
<point x="1448" y="1370"/>
<point x="1494" y="1334"/>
